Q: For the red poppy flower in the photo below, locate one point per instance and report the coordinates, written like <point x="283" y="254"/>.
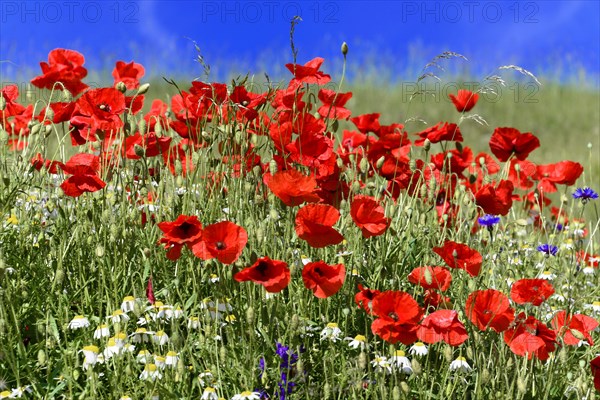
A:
<point x="98" y="110"/>
<point x="576" y="327"/>
<point x="76" y="185"/>
<point x="464" y="100"/>
<point x="461" y="256"/>
<point x="431" y="278"/>
<point x="84" y="169"/>
<point x="62" y="112"/>
<point x="52" y="166"/>
<point x="184" y="231"/>
<point x="508" y="141"/>
<point x="369" y="216"/>
<point x="150" y="144"/>
<point x="324" y="280"/>
<point x="333" y="104"/>
<point x="595" y="365"/>
<point x="439" y="133"/>
<point x="274" y="275"/>
<point x="367" y="123"/>
<point x="65" y="66"/>
<point x="292" y="187"/>
<point x="309" y="72"/>
<point x="224" y="241"/>
<point x="398" y="316"/>
<point x="495" y="200"/>
<point x="489" y="308"/>
<point x="10" y="94"/>
<point x="453" y="161"/>
<point x="442" y="325"/>
<point x="434" y="299"/>
<point x="128" y="73"/>
<point x="530" y="337"/>
<point x="534" y="291"/>
<point x="364" y="298"/>
<point x="521" y="173"/>
<point x="314" y="223"/>
<point x="561" y="173"/>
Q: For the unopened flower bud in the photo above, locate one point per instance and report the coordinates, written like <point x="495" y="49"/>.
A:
<point x="427" y="145"/>
<point x="143" y="88"/>
<point x="139" y="150"/>
<point x="379" y="162"/>
<point x="120" y="86"/>
<point x="2" y="103"/>
<point x="273" y="167"/>
<point x="344" y="48"/>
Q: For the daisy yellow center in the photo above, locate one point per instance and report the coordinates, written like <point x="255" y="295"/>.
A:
<point x="400" y="353"/>
<point x="360" y="338"/>
<point x="332" y="325"/>
<point x="246" y="393"/>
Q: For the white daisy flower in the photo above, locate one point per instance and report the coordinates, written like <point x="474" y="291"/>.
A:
<point x="150" y="373"/>
<point x="381" y="364"/>
<point x="112" y="349"/>
<point x="125" y="398"/>
<point x="141" y="335"/>
<point x="101" y="331"/>
<point x="90" y="354"/>
<point x="460" y="364"/>
<point x="588" y="270"/>
<point x="547" y="275"/>
<point x="419" y="348"/>
<point x="401" y="362"/>
<point x="79" y="321"/>
<point x="128" y="304"/>
<point x="359" y="341"/>
<point x="118" y="316"/>
<point x="331" y="332"/>
<point x="159" y="361"/>
<point x="160" y="338"/>
<point x="193" y="323"/>
<point x="247" y="395"/>
<point x="206" y="378"/>
<point x="209" y="394"/>
<point x="20" y="391"/>
<point x="171" y="358"/>
<point x="144" y="357"/>
<point x="4" y="394"/>
<point x="214" y="278"/>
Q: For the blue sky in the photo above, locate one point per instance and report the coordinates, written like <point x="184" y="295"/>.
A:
<point x="253" y="36"/>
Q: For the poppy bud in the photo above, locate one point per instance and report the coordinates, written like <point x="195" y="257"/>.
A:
<point x="326" y="390"/>
<point x="412" y="164"/>
<point x="416" y="366"/>
<point x="139" y="150"/>
<point x="143" y="88"/>
<point x="67" y="97"/>
<point x="458" y="146"/>
<point x="120" y="86"/>
<point x="250" y="315"/>
<point x="47" y="130"/>
<point x="344" y="48"/>
<point x="405" y="387"/>
<point x="2" y="103"/>
<point x="2" y="326"/>
<point x="448" y="353"/>
<point x="294" y="322"/>
<point x="335" y="126"/>
<point x="41" y="357"/>
<point x="426" y="144"/>
<point x="521" y="385"/>
<point x="3" y="135"/>
<point x="59" y="276"/>
<point x="273" y="167"/>
<point x="396" y="393"/>
<point x="379" y="162"/>
<point x="223" y="353"/>
<point x="35" y="129"/>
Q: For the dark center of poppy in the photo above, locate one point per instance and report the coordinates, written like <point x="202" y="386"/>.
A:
<point x="245" y="103"/>
<point x="393" y="316"/>
<point x="262" y="267"/>
<point x="104" y="107"/>
<point x="220" y="245"/>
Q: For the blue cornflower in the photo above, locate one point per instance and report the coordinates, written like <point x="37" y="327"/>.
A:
<point x="549" y="249"/>
<point x="488" y="220"/>
<point x="585" y="194"/>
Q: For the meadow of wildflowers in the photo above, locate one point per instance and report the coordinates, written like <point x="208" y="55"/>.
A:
<point x="231" y="244"/>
